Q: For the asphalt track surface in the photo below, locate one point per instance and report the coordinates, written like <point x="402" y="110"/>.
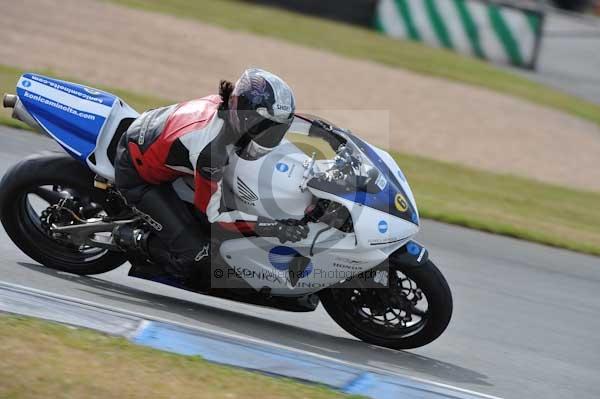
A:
<point x="525" y="322"/>
<point x="569" y="58"/>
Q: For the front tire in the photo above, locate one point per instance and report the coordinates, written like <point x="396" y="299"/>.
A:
<point x="41" y="176"/>
<point x="368" y="313"/>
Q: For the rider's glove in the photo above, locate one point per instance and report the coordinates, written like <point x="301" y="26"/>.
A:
<point x="285" y="230"/>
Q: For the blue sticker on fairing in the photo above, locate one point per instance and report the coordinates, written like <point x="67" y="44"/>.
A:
<point x="282" y="167"/>
<point x="281" y="257"/>
<point x="72" y="119"/>
<point x="413" y="248"/>
<point x="382" y="226"/>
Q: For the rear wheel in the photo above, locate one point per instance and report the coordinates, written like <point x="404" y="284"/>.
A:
<point x="412" y="311"/>
<point x="29" y="189"/>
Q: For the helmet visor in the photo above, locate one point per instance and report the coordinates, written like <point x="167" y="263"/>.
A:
<point x="268" y="133"/>
<point x="264" y="136"/>
<point x="254" y="151"/>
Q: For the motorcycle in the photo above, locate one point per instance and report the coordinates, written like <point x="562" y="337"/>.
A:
<point x="359" y="260"/>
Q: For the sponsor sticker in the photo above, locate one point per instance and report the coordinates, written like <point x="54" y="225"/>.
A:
<point x="245" y="193"/>
<point x="345" y="266"/>
<point x="351" y="260"/>
<point x="80" y="91"/>
<point x="382" y="226"/>
<point x="281" y="257"/>
<point x="92" y="91"/>
<point x="203" y="253"/>
<point x="420" y="258"/>
<point x="59" y="106"/>
<point x="413" y="249"/>
<point x="383" y="241"/>
<point x="211" y="171"/>
<point x="282" y="167"/>
<point x="400" y="203"/>
<point x="381" y="182"/>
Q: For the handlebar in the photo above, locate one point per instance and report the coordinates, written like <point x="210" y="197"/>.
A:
<point x="344" y="165"/>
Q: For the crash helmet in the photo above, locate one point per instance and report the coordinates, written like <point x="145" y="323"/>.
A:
<point x="261" y="110"/>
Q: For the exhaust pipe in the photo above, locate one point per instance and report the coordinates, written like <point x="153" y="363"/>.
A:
<point x="19" y="111"/>
<point x="9" y="100"/>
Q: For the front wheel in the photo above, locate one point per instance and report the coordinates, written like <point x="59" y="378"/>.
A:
<point x="412" y="311"/>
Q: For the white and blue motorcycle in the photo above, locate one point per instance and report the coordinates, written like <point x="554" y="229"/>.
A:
<point x="359" y="259"/>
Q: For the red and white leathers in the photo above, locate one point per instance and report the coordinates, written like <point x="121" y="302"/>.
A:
<point x="189" y="138"/>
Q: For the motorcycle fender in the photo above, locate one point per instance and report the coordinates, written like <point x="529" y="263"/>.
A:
<point x="412" y="254"/>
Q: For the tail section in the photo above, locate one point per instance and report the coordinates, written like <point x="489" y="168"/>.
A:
<point x="83" y="120"/>
<point x="72" y="114"/>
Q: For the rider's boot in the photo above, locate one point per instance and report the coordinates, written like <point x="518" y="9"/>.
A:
<point x="135" y="243"/>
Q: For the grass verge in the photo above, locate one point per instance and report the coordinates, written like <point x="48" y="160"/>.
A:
<point x="455" y="194"/>
<point x="362" y="43"/>
<point x="43" y="359"/>
<point x="504" y="204"/>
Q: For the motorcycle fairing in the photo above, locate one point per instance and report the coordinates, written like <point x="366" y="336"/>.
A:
<point x="269" y="186"/>
<point x="374" y="229"/>
<point x="72" y="114"/>
<point x="383" y="200"/>
<point x="264" y="262"/>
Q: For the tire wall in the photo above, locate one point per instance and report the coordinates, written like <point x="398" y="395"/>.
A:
<point x="496" y="32"/>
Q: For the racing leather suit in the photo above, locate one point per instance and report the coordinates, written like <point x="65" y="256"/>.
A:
<point x="189" y="138"/>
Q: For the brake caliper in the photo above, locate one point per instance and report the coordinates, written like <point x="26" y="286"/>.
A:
<point x="59" y="214"/>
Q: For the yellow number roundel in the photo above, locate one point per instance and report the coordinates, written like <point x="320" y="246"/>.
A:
<point x="401" y="203"/>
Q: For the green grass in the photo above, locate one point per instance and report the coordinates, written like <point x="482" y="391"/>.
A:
<point x="501" y="204"/>
<point x="366" y="44"/>
<point x="47" y="360"/>
<point x="504" y="204"/>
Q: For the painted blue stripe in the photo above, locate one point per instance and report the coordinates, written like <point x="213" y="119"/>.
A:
<point x="360" y="384"/>
<point x="72" y="130"/>
<point x="279" y="361"/>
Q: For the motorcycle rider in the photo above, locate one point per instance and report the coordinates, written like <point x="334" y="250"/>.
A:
<point x="196" y="138"/>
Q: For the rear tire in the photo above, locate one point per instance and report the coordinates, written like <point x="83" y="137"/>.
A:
<point x="19" y="218"/>
<point x="435" y="289"/>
